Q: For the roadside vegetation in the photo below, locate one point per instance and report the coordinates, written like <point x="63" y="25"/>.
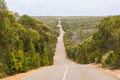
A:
<point x="25" y="43"/>
<point x="50" y="21"/>
<point x="102" y="46"/>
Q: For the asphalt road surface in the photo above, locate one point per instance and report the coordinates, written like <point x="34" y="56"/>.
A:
<point x="64" y="69"/>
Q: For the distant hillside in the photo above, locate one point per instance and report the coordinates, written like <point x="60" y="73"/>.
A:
<point x="79" y="28"/>
<point x="76" y="25"/>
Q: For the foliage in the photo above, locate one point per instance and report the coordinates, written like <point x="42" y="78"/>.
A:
<point x="27" y="21"/>
<point x="51" y="22"/>
<point x="25" y="43"/>
<point x="3" y="69"/>
<point x="103" y="47"/>
<point x="3" y="6"/>
<point x="109" y="59"/>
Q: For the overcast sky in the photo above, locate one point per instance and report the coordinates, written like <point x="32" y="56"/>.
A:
<point x="65" y="7"/>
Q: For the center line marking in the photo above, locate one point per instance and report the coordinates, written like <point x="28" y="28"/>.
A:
<point x="65" y="72"/>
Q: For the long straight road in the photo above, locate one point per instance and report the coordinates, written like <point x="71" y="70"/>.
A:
<point x="64" y="69"/>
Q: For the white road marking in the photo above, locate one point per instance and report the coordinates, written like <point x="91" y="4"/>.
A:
<point x="65" y="72"/>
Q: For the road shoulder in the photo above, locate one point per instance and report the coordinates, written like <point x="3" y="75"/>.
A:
<point x="22" y="75"/>
<point x="114" y="73"/>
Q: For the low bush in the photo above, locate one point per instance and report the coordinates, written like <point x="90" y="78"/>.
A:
<point x="109" y="60"/>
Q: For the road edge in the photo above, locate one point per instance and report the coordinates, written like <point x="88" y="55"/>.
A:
<point x="114" y="73"/>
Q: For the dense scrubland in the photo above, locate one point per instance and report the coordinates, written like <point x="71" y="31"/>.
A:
<point x="93" y="40"/>
<point x="25" y="43"/>
<point x="79" y="28"/>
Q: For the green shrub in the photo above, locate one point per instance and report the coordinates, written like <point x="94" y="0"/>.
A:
<point x="109" y="60"/>
<point x="3" y="69"/>
<point x="12" y="63"/>
<point x="95" y="57"/>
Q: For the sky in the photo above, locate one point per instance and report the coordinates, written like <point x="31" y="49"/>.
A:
<point x="65" y="7"/>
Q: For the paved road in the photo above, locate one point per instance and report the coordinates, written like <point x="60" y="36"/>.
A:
<point x="64" y="69"/>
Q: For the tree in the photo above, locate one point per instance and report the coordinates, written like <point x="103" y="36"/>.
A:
<point x="27" y="21"/>
<point x="16" y="15"/>
<point x="3" y="6"/>
<point x="8" y="35"/>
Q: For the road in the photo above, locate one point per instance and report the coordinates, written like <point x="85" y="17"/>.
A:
<point x="64" y="69"/>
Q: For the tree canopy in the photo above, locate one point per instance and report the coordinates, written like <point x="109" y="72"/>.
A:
<point x="25" y="43"/>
